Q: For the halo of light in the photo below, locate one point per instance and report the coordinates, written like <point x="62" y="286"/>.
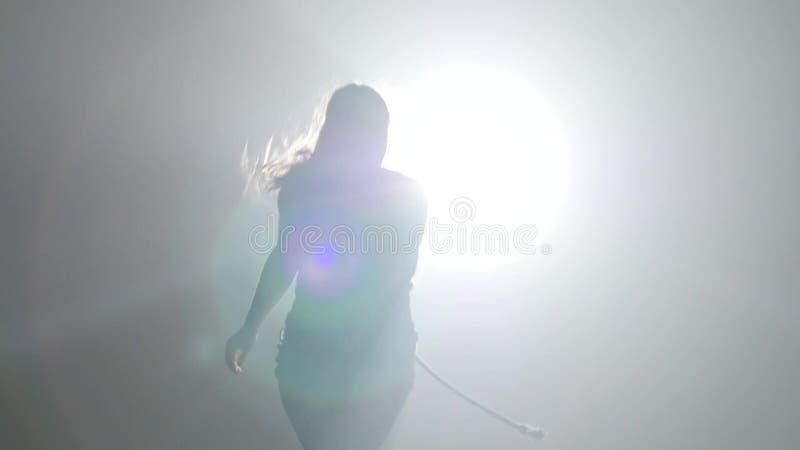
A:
<point x="481" y="135"/>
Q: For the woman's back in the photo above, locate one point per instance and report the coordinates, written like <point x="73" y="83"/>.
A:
<point x="356" y="241"/>
<point x="350" y="233"/>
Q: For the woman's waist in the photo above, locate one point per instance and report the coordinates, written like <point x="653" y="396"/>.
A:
<point x="396" y="335"/>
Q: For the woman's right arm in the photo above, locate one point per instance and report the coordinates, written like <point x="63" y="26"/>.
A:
<point x="276" y="277"/>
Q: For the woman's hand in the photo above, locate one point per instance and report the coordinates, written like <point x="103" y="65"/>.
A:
<point x="238" y="347"/>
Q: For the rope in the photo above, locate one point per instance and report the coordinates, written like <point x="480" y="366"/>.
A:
<point x="527" y="430"/>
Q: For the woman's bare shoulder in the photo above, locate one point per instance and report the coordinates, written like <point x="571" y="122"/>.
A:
<point x="405" y="189"/>
<point x="400" y="181"/>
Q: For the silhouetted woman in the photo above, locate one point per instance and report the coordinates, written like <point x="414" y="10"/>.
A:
<point x="350" y="235"/>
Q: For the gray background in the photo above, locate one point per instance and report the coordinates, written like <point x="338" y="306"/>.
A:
<point x="666" y="317"/>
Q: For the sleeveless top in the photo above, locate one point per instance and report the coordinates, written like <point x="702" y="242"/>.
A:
<point x="356" y="240"/>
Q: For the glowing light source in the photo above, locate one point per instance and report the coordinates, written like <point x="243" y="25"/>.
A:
<point x="483" y="134"/>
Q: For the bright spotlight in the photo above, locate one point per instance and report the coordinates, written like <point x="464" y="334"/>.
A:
<point x="483" y="134"/>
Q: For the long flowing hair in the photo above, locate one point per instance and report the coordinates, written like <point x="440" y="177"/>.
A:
<point x="347" y="133"/>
